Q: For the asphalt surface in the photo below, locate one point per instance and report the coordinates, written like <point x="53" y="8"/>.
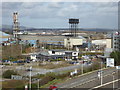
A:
<point x="91" y="80"/>
<point x="36" y="71"/>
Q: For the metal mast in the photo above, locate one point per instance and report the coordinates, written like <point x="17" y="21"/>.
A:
<point x="73" y="26"/>
<point x="15" y="26"/>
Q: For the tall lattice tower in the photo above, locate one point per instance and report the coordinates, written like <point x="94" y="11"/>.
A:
<point x="15" y="26"/>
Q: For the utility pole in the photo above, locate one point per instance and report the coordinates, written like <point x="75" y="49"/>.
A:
<point x="101" y="74"/>
<point x="30" y="78"/>
<point x="82" y="68"/>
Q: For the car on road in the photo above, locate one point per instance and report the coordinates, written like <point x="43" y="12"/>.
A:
<point x="53" y="87"/>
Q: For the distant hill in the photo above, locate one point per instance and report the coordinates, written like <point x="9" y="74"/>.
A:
<point x="96" y="29"/>
<point x="9" y="28"/>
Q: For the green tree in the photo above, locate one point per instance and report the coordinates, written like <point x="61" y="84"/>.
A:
<point x="116" y="56"/>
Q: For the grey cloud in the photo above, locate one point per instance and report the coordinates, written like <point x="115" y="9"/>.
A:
<point x="11" y="5"/>
<point x="55" y="5"/>
<point x="40" y="10"/>
<point x="47" y="11"/>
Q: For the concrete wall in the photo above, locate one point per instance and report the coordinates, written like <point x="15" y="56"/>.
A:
<point x="108" y="43"/>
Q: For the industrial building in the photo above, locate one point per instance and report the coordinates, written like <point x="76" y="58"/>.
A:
<point x="72" y="42"/>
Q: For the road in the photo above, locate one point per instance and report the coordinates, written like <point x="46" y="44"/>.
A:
<point x="91" y="80"/>
<point x="36" y="71"/>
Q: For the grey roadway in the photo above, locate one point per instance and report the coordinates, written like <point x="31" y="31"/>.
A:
<point x="86" y="81"/>
<point x="97" y="82"/>
<point x="36" y="71"/>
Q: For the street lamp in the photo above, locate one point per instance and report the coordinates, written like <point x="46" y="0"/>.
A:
<point x="38" y="84"/>
<point x="82" y="67"/>
<point x="101" y="75"/>
<point x="113" y="79"/>
<point x="30" y="77"/>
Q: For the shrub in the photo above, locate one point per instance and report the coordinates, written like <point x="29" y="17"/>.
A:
<point x="8" y="73"/>
<point x="62" y="76"/>
<point x="45" y="80"/>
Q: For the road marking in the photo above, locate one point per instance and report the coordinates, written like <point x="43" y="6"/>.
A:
<point x="104" y="84"/>
<point x="85" y="82"/>
<point x="89" y="73"/>
<point x="90" y="81"/>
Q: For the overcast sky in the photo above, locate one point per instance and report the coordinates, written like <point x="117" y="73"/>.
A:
<point x="57" y="14"/>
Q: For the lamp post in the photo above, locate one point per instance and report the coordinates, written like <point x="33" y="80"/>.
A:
<point x="113" y="79"/>
<point x="82" y="67"/>
<point x="38" y="84"/>
<point x="30" y="78"/>
<point x="101" y="75"/>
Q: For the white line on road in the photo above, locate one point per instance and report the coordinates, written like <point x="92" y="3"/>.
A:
<point x="104" y="84"/>
<point x="83" y="83"/>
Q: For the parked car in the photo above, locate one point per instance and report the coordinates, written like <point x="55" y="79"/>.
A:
<point x="28" y="69"/>
<point x="5" y="60"/>
<point x="27" y="61"/>
<point x="15" y="61"/>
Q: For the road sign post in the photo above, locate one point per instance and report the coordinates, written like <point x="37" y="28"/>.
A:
<point x="110" y="62"/>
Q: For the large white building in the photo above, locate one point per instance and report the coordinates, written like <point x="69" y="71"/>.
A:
<point x="71" y="42"/>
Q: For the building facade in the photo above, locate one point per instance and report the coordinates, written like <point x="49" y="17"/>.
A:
<point x="116" y="41"/>
<point x="71" y="42"/>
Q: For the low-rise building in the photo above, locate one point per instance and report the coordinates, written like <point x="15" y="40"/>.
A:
<point x="55" y="54"/>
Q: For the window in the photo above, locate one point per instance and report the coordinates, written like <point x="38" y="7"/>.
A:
<point x="53" y="52"/>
